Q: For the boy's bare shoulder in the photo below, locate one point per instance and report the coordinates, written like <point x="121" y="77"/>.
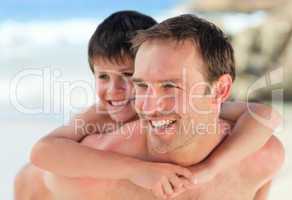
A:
<point x="95" y="111"/>
<point x="129" y="134"/>
<point x="127" y="140"/>
<point x="94" y="119"/>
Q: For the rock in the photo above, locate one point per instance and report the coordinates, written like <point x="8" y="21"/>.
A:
<point x="243" y="43"/>
<point x="235" y="5"/>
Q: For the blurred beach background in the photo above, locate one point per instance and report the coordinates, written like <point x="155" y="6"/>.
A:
<point x="45" y="78"/>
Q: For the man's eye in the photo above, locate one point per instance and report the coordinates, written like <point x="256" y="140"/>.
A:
<point x="103" y="76"/>
<point x="169" y="85"/>
<point x="128" y="74"/>
<point x="141" y="85"/>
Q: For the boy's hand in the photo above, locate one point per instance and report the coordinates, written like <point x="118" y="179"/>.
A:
<point x="165" y="180"/>
<point x="202" y="173"/>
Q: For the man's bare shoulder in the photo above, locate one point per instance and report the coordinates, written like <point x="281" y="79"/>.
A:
<point x="263" y="164"/>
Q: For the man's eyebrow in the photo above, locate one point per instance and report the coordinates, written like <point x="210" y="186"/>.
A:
<point x="171" y="80"/>
<point x="137" y="80"/>
<point x="160" y="81"/>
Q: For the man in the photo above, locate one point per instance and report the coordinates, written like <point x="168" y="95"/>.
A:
<point x="179" y="110"/>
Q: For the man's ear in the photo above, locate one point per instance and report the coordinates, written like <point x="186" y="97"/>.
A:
<point x="223" y="88"/>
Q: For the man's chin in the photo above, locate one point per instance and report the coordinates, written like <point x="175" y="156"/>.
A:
<point x="162" y="143"/>
<point x="165" y="137"/>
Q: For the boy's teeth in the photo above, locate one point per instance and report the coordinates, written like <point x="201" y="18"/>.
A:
<point x="161" y="123"/>
<point x="119" y="103"/>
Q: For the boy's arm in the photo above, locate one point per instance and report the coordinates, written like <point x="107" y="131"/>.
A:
<point x="60" y="152"/>
<point x="248" y="135"/>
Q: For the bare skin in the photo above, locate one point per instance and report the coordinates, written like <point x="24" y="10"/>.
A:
<point x="263" y="193"/>
<point x="29" y="184"/>
<point x="247" y="178"/>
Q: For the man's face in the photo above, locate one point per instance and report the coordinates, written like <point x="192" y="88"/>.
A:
<point x="115" y="89"/>
<point x="172" y="94"/>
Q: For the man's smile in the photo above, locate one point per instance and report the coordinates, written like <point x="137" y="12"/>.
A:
<point x="164" y="128"/>
<point x="162" y="124"/>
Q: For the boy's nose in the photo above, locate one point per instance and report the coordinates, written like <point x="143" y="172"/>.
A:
<point x="118" y="83"/>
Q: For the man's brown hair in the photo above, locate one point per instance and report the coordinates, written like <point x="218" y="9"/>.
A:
<point x="213" y="45"/>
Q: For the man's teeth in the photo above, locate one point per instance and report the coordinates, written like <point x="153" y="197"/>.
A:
<point x="119" y="103"/>
<point x="162" y="123"/>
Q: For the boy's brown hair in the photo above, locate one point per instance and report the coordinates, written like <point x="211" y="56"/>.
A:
<point x="112" y="38"/>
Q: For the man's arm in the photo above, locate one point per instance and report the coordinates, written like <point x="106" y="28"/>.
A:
<point x="263" y="192"/>
<point x="248" y="135"/>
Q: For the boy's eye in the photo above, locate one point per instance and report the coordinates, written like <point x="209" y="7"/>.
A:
<point x="103" y="76"/>
<point x="128" y="74"/>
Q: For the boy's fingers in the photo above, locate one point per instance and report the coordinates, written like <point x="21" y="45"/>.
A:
<point x="188" y="184"/>
<point x="158" y="191"/>
<point x="185" y="185"/>
<point x="176" y="182"/>
<point x="167" y="187"/>
<point x="184" y="172"/>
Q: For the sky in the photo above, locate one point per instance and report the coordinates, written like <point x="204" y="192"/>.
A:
<point x="56" y="32"/>
<point x="24" y="10"/>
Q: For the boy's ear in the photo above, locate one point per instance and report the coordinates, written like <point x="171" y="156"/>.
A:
<point x="223" y="88"/>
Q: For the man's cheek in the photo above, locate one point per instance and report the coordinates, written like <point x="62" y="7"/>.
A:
<point x="181" y="105"/>
<point x="138" y="105"/>
<point x="167" y="104"/>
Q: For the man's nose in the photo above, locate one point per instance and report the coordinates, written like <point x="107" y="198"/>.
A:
<point x="152" y="103"/>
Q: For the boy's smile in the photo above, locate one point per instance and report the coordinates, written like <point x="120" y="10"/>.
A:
<point x="114" y="88"/>
<point x="118" y="103"/>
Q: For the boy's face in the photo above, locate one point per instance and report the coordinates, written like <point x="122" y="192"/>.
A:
<point x="115" y="89"/>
